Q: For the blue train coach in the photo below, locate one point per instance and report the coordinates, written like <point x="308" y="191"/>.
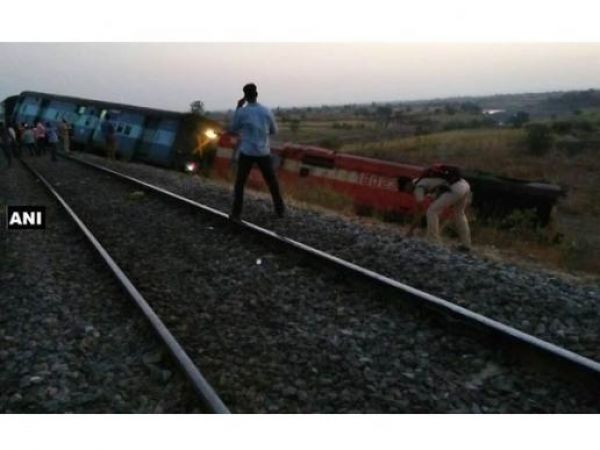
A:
<point x="155" y="136"/>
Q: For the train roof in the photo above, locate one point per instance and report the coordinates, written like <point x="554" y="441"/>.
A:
<point x="104" y="104"/>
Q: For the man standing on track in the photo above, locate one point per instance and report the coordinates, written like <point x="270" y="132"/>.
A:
<point x="29" y="140"/>
<point x="63" y="130"/>
<point x="110" y="137"/>
<point x="254" y="123"/>
<point x="52" y="137"/>
<point x="39" y="132"/>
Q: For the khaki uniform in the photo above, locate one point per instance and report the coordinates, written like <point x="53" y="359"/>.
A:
<point x="457" y="196"/>
<point x="111" y="146"/>
<point x="63" y="130"/>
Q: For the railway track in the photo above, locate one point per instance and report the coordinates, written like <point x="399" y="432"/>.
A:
<point x="207" y="395"/>
<point x="552" y="357"/>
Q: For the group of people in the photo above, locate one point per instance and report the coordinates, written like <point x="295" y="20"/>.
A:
<point x="34" y="140"/>
<point x="440" y="188"/>
<point x="439" y="191"/>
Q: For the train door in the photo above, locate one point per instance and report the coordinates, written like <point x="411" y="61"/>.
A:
<point x="84" y="125"/>
<point x="156" y="145"/>
<point x="143" y="149"/>
<point x="97" y="135"/>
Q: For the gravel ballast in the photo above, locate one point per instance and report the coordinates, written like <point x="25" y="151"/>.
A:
<point x="70" y="340"/>
<point x="273" y="335"/>
<point x="552" y="307"/>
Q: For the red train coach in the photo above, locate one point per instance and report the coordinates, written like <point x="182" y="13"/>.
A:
<point x="378" y="186"/>
<point x="373" y="185"/>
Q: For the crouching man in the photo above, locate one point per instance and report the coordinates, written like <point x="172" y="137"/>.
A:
<point x="449" y="190"/>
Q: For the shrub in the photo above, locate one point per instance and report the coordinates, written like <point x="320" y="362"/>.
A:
<point x="295" y="125"/>
<point x="519" y="119"/>
<point x="562" y="127"/>
<point x="519" y="220"/>
<point x="331" y="143"/>
<point x="585" y="125"/>
<point x="539" y="139"/>
<point x="571" y="145"/>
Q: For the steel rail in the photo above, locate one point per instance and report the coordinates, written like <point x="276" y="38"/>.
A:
<point x="534" y="347"/>
<point x="207" y="394"/>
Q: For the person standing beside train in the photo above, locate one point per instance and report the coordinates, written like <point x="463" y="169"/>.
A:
<point x="110" y="138"/>
<point x="39" y="132"/>
<point x="254" y="123"/>
<point x="20" y="129"/>
<point x="63" y="131"/>
<point x="13" y="141"/>
<point x="52" y="137"/>
<point x="29" y="140"/>
<point x="449" y="190"/>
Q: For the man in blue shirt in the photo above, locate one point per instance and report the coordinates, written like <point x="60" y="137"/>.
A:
<point x="254" y="123"/>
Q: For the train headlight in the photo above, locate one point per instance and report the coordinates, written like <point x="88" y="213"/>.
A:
<point x="190" y="167"/>
<point x="211" y="134"/>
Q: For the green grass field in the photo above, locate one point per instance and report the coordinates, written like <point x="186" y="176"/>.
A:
<point x="502" y="151"/>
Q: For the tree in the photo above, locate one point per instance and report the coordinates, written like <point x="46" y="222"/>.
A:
<point x="197" y="107"/>
<point x="450" y="109"/>
<point x="562" y="126"/>
<point x="384" y="115"/>
<point x="331" y="143"/>
<point x="519" y="119"/>
<point x="470" y="107"/>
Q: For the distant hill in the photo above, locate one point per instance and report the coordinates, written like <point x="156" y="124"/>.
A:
<point x="536" y="104"/>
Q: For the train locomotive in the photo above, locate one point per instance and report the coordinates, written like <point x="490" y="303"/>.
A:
<point x="191" y="142"/>
<point x="377" y="186"/>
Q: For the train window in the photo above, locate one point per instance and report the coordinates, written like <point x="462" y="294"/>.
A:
<point x="127" y="130"/>
<point x="81" y="110"/>
<point x="120" y="128"/>
<point x="103" y="114"/>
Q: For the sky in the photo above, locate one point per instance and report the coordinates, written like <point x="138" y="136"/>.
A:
<point x="172" y="75"/>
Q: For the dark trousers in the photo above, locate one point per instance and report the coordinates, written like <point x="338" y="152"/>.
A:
<point x="111" y="147"/>
<point x="41" y="146"/>
<point x="265" y="164"/>
<point x="7" y="154"/>
<point x="53" y="148"/>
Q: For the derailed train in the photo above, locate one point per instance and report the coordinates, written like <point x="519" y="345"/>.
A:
<point x="165" y="138"/>
<point x="186" y="141"/>
<point x="379" y="186"/>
